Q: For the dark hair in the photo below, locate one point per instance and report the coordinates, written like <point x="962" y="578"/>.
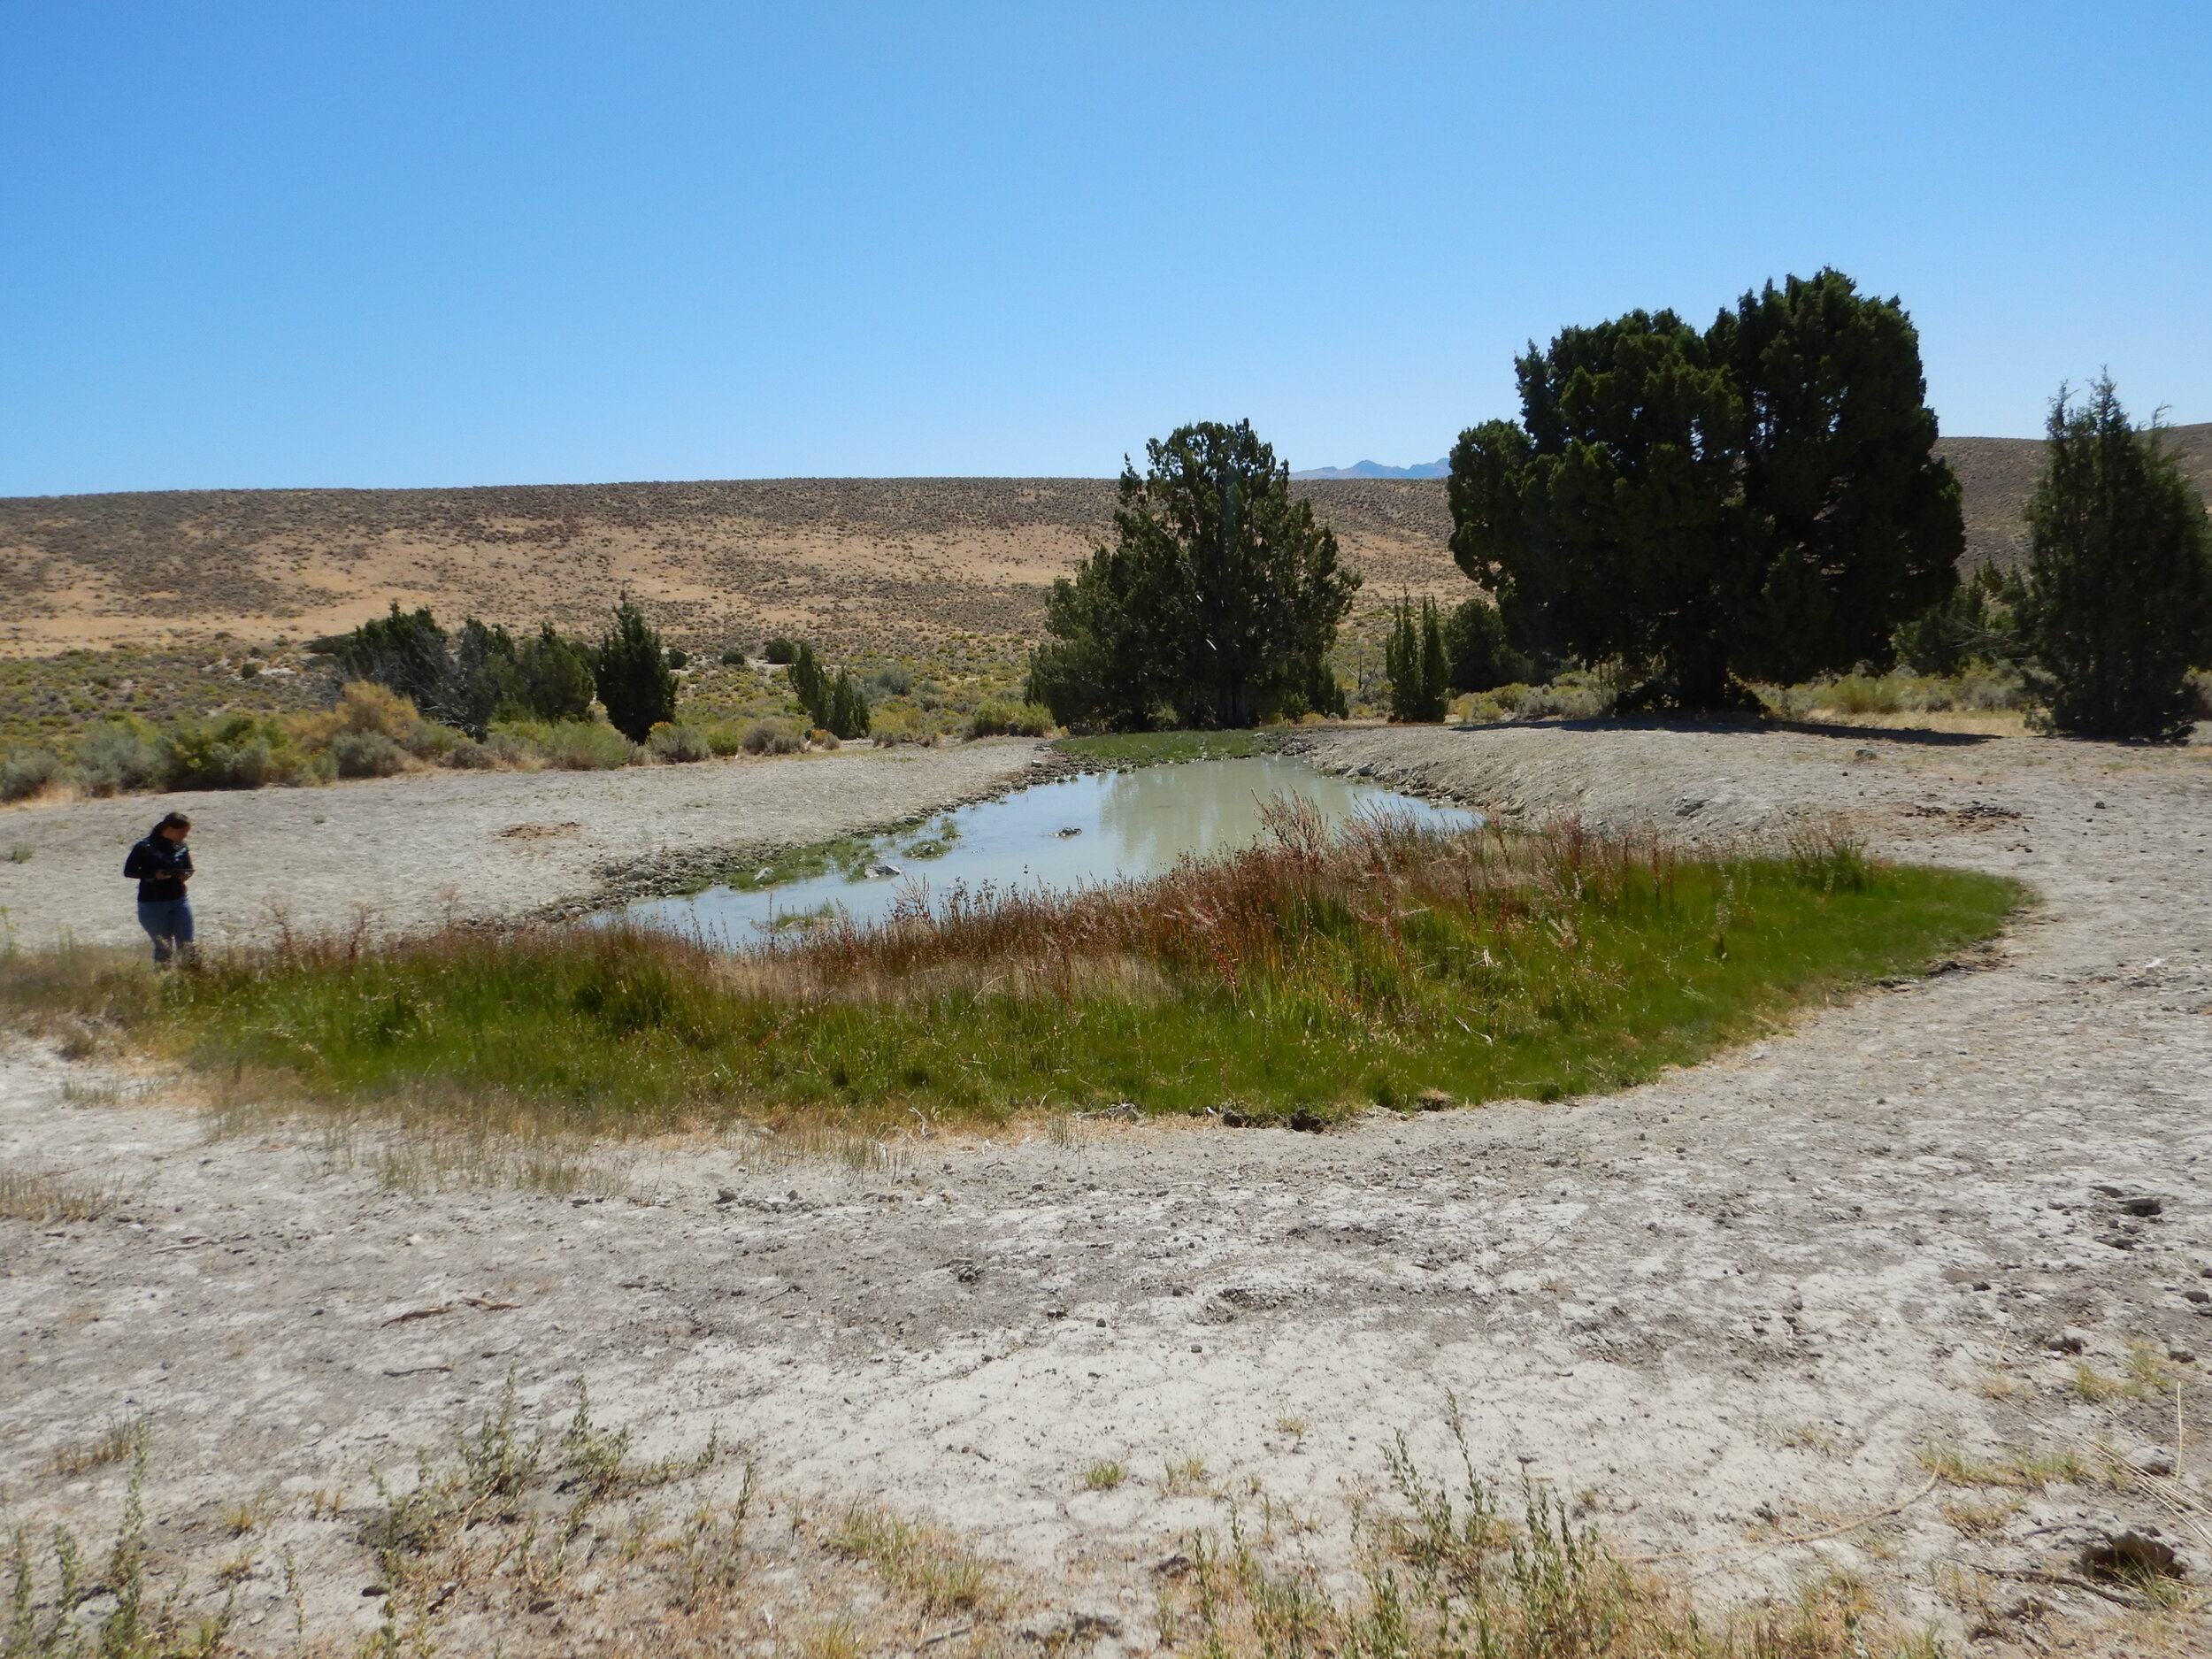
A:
<point x="173" y="820"/>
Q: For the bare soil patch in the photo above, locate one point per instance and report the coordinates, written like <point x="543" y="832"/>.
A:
<point x="1909" y="1290"/>
<point x="423" y="847"/>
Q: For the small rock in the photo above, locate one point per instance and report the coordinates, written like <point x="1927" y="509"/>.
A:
<point x="2151" y="1460"/>
<point x="2180" y="1355"/>
<point x="2143" y="1206"/>
<point x="725" y="1195"/>
<point x="2196" y="1295"/>
<point x="1311" y="1122"/>
<point x="2072" y="1339"/>
<point x="1088" y="1626"/>
<point x="2129" y="1555"/>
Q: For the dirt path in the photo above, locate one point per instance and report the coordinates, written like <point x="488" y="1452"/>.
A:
<point x="477" y="845"/>
<point x="1726" y="1309"/>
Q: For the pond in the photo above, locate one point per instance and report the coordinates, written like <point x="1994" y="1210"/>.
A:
<point x="1065" y="833"/>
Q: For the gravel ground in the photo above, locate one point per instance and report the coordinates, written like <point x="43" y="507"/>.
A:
<point x="413" y="849"/>
<point x="1722" y="1312"/>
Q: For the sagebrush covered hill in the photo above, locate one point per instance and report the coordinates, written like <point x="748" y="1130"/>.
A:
<point x="861" y="564"/>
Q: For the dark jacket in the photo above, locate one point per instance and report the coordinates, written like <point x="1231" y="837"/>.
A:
<point x="159" y="866"/>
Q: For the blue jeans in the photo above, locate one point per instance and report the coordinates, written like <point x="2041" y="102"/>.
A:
<point x="168" y="923"/>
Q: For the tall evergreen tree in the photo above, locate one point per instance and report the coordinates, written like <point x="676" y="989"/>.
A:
<point x="1414" y="664"/>
<point x="1759" y="500"/>
<point x="631" y="670"/>
<point x="2119" y="602"/>
<point x="1216" y="605"/>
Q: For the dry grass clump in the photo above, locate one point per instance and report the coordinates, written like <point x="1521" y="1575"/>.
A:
<point x="1452" y="1574"/>
<point x="36" y="1196"/>
<point x="512" y="1540"/>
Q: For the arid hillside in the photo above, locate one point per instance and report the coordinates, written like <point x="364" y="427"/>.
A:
<point x="859" y="563"/>
<point x="856" y="563"/>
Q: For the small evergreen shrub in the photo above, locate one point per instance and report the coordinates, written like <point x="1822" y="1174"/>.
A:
<point x="630" y="668"/>
<point x="782" y="652"/>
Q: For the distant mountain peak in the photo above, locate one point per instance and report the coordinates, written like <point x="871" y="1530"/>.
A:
<point x="1376" y="469"/>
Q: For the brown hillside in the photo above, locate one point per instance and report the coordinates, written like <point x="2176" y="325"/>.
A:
<point x="852" y="562"/>
<point x="1996" y="474"/>
<point x="859" y="563"/>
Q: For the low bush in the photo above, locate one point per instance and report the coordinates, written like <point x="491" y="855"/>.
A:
<point x="119" y="757"/>
<point x="367" y="755"/>
<point x="724" y="739"/>
<point x="1001" y="719"/>
<point x="25" y="771"/>
<point x="1977" y="687"/>
<point x="773" y="737"/>
<point x="898" y="726"/>
<point x="231" y="751"/>
<point x="678" y="743"/>
<point x="576" y="745"/>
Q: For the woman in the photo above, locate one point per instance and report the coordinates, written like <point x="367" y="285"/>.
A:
<point x="161" y="865"/>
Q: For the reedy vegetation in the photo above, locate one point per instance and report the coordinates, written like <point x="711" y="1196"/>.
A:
<point x="1314" y="971"/>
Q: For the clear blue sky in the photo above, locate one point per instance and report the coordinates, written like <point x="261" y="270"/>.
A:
<point x="473" y="243"/>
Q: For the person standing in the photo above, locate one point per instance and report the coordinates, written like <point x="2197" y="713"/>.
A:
<point x="161" y="865"/>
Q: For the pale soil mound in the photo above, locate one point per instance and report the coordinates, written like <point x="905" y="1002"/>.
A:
<point x="1743" y="1317"/>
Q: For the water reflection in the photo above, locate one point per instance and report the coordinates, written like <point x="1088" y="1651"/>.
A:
<point x="1125" y="824"/>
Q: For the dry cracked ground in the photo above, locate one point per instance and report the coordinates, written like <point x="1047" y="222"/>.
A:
<point x="1915" y="1289"/>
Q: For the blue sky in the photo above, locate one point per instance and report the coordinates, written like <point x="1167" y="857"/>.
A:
<point x="473" y="243"/>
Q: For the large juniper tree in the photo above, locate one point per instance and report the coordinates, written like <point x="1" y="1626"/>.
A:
<point x="2119" y="599"/>
<point x="1757" y="501"/>
<point x="1215" y="604"/>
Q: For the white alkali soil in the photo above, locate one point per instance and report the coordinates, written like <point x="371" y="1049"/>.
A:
<point x="1734" y="1307"/>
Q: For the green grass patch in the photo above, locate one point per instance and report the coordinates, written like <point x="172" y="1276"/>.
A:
<point x="1128" y="750"/>
<point x="1313" y="973"/>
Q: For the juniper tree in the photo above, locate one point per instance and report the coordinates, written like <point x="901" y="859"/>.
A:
<point x="631" y="671"/>
<point x="1478" y="654"/>
<point x="1413" y="660"/>
<point x="2119" y="600"/>
<point x="553" y="677"/>
<point x="1215" y="604"/>
<point x="1757" y="501"/>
